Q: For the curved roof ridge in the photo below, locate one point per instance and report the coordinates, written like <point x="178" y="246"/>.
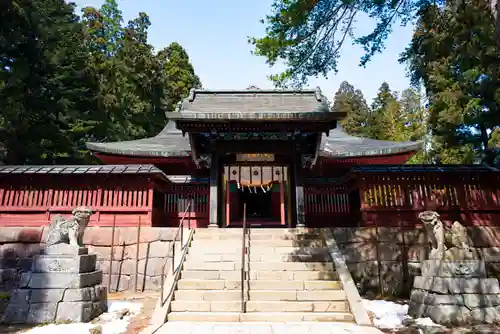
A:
<point x="195" y="91"/>
<point x="340" y="144"/>
<point x="253" y="100"/>
<point x="168" y="143"/>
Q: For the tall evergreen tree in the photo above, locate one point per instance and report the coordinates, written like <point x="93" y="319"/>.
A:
<point x="385" y="118"/>
<point x="46" y="88"/>
<point x="308" y="35"/>
<point x="64" y="82"/>
<point x="178" y="74"/>
<point x="457" y="63"/>
<point x="352" y="102"/>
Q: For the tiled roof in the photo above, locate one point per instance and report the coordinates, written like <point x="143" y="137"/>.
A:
<point x="80" y="169"/>
<point x="424" y="169"/>
<point x="254" y="101"/>
<point x="253" y="104"/>
<point x="341" y="145"/>
<point x="168" y="143"/>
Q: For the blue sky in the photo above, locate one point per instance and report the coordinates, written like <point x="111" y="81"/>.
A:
<point x="214" y="33"/>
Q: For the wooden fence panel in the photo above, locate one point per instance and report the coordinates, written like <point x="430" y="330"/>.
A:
<point x="327" y="205"/>
<point x="177" y="198"/>
<point x="36" y="201"/>
<point x="396" y="199"/>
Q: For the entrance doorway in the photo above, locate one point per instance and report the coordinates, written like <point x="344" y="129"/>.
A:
<point x="265" y="190"/>
<point x="259" y="204"/>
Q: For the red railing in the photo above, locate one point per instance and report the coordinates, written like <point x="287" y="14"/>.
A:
<point x="179" y="196"/>
<point x="35" y="203"/>
<point x="392" y="199"/>
<point x="325" y="204"/>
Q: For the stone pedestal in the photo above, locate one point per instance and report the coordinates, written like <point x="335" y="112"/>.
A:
<point x="455" y="293"/>
<point x="63" y="285"/>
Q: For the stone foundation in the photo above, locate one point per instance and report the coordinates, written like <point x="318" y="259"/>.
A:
<point x="385" y="260"/>
<point x="19" y="245"/>
<point x="455" y="293"/>
<point x="62" y="285"/>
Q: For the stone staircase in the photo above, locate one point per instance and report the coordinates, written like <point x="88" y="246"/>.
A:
<point x="290" y="277"/>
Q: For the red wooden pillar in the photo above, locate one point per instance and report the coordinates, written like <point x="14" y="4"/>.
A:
<point x="228" y="202"/>
<point x="282" y="202"/>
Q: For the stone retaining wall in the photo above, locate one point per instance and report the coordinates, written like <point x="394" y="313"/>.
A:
<point x="19" y="244"/>
<point x="384" y="261"/>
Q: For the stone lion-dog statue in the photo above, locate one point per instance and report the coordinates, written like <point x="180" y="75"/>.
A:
<point x="443" y="240"/>
<point x="69" y="231"/>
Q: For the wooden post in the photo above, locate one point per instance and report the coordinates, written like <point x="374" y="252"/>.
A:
<point x="228" y="206"/>
<point x="137" y="254"/>
<point x="282" y="201"/>
<point x="111" y="253"/>
<point x="288" y="190"/>
<point x="214" y="192"/>
<point x="299" y="194"/>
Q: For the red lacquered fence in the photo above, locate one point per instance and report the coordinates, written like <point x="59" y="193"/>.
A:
<point x="176" y="200"/>
<point x="35" y="200"/>
<point x="383" y="198"/>
<point x="326" y="204"/>
<point x="393" y="199"/>
<point x="396" y="199"/>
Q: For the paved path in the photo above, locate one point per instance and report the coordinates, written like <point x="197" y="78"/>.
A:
<point x="265" y="328"/>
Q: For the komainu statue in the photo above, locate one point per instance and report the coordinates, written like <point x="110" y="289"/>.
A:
<point x="69" y="231"/>
<point x="446" y="243"/>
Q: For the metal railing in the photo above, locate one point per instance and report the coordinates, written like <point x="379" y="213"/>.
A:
<point x="243" y="255"/>
<point x="171" y="252"/>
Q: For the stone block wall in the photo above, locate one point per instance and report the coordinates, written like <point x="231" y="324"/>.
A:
<point x="19" y="244"/>
<point x="384" y="260"/>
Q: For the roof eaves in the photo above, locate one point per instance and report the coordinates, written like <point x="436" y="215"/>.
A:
<point x="82" y="169"/>
<point x="398" y="148"/>
<point x="103" y="148"/>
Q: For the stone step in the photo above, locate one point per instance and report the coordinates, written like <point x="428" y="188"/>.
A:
<point x="294" y="266"/>
<point x="254" y="231"/>
<point x="208" y="243"/>
<point x="262" y="257"/>
<point x="214" y="284"/>
<point x="294" y="285"/>
<point x="196" y="264"/>
<point x="223" y="249"/>
<point x="295" y="306"/>
<point x="190" y="284"/>
<point x="321" y="295"/>
<point x="261" y="275"/>
<point x="258" y="236"/>
<point x="260" y="295"/>
<point x="205" y="306"/>
<point x="258" y="306"/>
<point x="207" y="295"/>
<point x="260" y="316"/>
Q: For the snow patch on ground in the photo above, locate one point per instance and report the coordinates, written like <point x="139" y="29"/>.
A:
<point x="110" y="321"/>
<point x="388" y="314"/>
